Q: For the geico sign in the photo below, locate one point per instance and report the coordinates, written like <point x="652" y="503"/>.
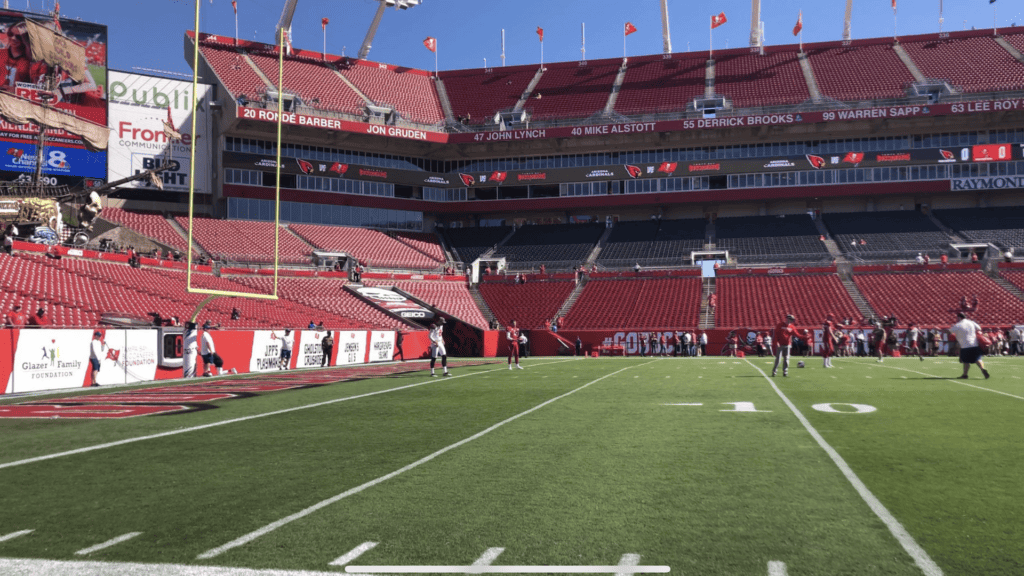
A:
<point x="995" y="183"/>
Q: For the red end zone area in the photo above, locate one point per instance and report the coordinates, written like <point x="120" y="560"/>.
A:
<point x="198" y="396"/>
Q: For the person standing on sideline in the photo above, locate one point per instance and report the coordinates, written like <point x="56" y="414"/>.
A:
<point x="287" y="341"/>
<point x="878" y="339"/>
<point x="784" y="337"/>
<point x="703" y="344"/>
<point x="829" y="337"/>
<point x="966" y="333"/>
<point x="208" y="352"/>
<point x="437" y="347"/>
<point x="579" y="346"/>
<point x="327" y="345"/>
<point x="399" y="337"/>
<point x="96" y="355"/>
<point x="512" y="337"/>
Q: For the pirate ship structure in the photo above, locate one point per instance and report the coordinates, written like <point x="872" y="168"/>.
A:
<point x="40" y="210"/>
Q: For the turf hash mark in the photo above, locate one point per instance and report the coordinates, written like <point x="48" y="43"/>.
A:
<point x="108" y="543"/>
<point x="919" y="555"/>
<point x="231" y="421"/>
<point x="324" y="503"/>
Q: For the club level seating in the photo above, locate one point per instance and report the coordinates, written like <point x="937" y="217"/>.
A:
<point x="232" y="69"/>
<point x="324" y="299"/>
<point x="1003" y="226"/>
<point x="78" y="292"/>
<point x="451" y="297"/>
<point x="425" y="242"/>
<point x="529" y="304"/>
<point x="411" y="92"/>
<point x="652" y="242"/>
<point x="934" y="298"/>
<point x="316" y="84"/>
<point x="752" y="80"/>
<point x="974" y="64"/>
<point x="888" y="235"/>
<point x="245" y="240"/>
<point x="569" y="90"/>
<point x="770" y="238"/>
<point x="477" y="95"/>
<point x="535" y="244"/>
<point x="151" y="224"/>
<point x="655" y="303"/>
<point x="856" y="73"/>
<point x="372" y="247"/>
<point x="470" y="243"/>
<point x="763" y="301"/>
<point x="655" y="84"/>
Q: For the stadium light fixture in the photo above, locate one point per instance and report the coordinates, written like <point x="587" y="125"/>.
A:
<point x="364" y="50"/>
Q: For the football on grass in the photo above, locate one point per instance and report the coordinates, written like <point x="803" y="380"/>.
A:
<point x="800" y="364"/>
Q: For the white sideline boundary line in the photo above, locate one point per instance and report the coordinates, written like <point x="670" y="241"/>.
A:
<point x="620" y="570"/>
<point x="38" y="567"/>
<point x="953" y="380"/>
<point x="108" y="543"/>
<point x="352" y="491"/>
<point x="919" y="555"/>
<point x="237" y="420"/>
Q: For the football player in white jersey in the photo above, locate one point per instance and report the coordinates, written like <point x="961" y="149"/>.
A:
<point x="437" y="347"/>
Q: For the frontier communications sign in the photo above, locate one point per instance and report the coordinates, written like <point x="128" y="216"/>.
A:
<point x="139" y="106"/>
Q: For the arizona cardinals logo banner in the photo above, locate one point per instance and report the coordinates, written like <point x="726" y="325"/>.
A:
<point x="467" y="179"/>
<point x="305" y="166"/>
<point x="633" y="171"/>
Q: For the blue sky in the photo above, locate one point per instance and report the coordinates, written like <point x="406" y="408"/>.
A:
<point x="148" y="33"/>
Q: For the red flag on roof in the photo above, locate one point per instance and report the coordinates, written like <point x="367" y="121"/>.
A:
<point x="717" y="21"/>
<point x="799" y="24"/>
<point x="324" y="22"/>
<point x="629" y="28"/>
<point x="431" y="44"/>
<point x="893" y="5"/>
<point x="234" y="6"/>
<point x="540" y="33"/>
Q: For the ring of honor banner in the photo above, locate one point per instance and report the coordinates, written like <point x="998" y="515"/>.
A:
<point x="66" y="158"/>
<point x="139" y="105"/>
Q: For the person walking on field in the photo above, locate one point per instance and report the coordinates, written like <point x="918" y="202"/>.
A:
<point x="966" y="333"/>
<point x="830" y="337"/>
<point x="399" y="337"/>
<point x="913" y="338"/>
<point x="512" y="337"/>
<point x="327" y="344"/>
<point x="96" y="356"/>
<point x="784" y="333"/>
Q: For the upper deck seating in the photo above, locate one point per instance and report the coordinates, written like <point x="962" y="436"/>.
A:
<point x="477" y="95"/>
<point x="656" y="84"/>
<point x="151" y="224"/>
<point x="411" y="92"/>
<point x="856" y="73"/>
<point x="372" y="247"/>
<point x="974" y="64"/>
<point x="316" y="84"/>
<point x="569" y="90"/>
<point x="229" y="65"/>
<point x="752" y="80"/>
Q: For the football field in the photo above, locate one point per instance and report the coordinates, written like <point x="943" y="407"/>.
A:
<point x="706" y="466"/>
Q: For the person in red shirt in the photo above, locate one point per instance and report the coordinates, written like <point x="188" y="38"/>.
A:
<point x="944" y="259"/>
<point x="829" y="337"/>
<point x="15" y="318"/>
<point x="784" y="338"/>
<point x="664" y="345"/>
<point x="39" y="318"/>
<point x="927" y="259"/>
<point x="974" y="257"/>
<point x="512" y="337"/>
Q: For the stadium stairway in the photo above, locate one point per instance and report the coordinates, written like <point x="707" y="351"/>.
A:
<point x="857" y="296"/>
<point x="908" y="62"/>
<point x="1010" y="48"/>
<point x="446" y="105"/>
<point x="567" y="305"/>
<point x="613" y="97"/>
<point x="501" y="243"/>
<point x="830" y="243"/>
<point x="529" y="90"/>
<point x="597" y="248"/>
<point x="300" y="238"/>
<point x="709" y="79"/>
<point x="812" y="82"/>
<point x="184" y="236"/>
<point x="993" y="273"/>
<point x="707" y="314"/>
<point x="949" y="231"/>
<point x="482" y="304"/>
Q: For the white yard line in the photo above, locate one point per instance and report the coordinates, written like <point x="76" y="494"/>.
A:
<point x="324" y="503"/>
<point x="32" y="567"/>
<point x="921" y="558"/>
<point x="627" y="562"/>
<point x="234" y="421"/>
<point x="14" y="535"/>
<point x="108" y="543"/>
<point x="953" y="380"/>
<point x="354" y="553"/>
<point x="776" y="568"/>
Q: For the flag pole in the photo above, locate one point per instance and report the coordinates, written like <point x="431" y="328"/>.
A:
<point x="583" y="33"/>
<point x="236" y="27"/>
<point x="502" y="47"/>
<point x="624" y="41"/>
<point x="711" y="43"/>
<point x="435" y="59"/>
<point x="325" y="43"/>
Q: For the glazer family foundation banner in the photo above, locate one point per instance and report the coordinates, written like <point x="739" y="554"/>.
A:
<point x="139" y="105"/>
<point x="50" y="360"/>
<point x="81" y="91"/>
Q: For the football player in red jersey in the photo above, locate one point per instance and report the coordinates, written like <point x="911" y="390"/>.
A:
<point x="829" y="337"/>
<point x="784" y="333"/>
<point x="512" y="336"/>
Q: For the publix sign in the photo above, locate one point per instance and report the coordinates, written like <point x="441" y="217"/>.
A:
<point x="139" y="106"/>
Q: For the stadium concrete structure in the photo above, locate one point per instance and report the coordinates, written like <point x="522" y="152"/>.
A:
<point x="814" y="178"/>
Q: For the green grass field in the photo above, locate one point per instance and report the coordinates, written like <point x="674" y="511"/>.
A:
<point x="701" y="465"/>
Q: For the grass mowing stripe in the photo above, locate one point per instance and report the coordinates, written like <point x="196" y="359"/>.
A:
<point x="108" y="543"/>
<point x="324" y="503"/>
<point x="231" y="421"/>
<point x="953" y="380"/>
<point x="921" y="558"/>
